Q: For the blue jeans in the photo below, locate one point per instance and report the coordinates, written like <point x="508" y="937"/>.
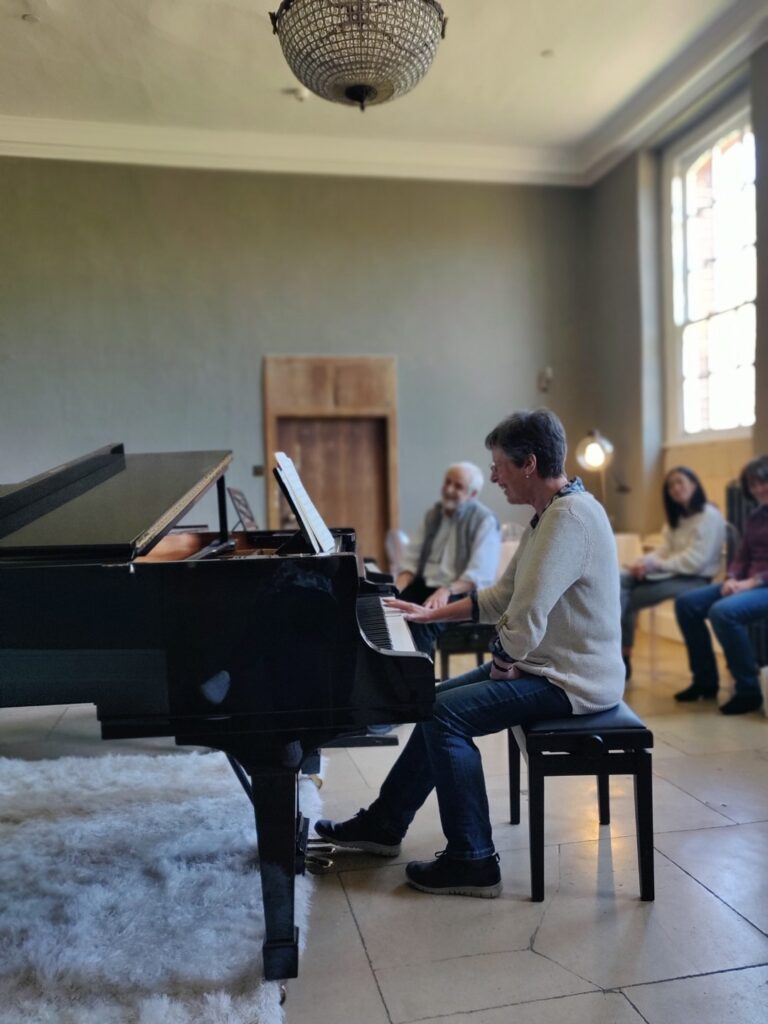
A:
<point x="441" y="754"/>
<point x="729" y="617"/>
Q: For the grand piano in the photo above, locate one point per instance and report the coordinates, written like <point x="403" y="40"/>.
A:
<point x="248" y="643"/>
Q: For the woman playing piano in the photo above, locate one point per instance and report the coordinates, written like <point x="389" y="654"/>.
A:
<point x="557" y="653"/>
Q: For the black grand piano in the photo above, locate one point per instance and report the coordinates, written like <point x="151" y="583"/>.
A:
<point x="246" y="643"/>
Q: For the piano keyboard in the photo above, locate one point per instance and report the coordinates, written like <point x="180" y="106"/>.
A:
<point x="385" y="627"/>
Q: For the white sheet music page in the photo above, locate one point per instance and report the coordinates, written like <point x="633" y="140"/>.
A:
<point x="304" y="505"/>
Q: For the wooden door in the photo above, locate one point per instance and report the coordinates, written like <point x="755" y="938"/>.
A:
<point x="342" y="463"/>
<point x="336" y="418"/>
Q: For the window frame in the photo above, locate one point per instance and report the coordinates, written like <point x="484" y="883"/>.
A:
<point x="731" y="116"/>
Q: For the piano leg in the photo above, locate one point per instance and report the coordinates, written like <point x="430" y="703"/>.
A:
<point x="274" y="796"/>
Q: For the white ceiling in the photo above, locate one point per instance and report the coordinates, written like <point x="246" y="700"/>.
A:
<point x="204" y="83"/>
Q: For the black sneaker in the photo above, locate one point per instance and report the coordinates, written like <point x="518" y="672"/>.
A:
<point x="695" y="692"/>
<point x="359" y="833"/>
<point x="741" y="703"/>
<point x="447" y="876"/>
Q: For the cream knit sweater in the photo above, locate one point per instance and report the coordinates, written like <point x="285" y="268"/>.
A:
<point x="557" y="605"/>
<point x="694" y="547"/>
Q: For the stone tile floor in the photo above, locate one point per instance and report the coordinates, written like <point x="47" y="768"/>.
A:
<point x="591" y="953"/>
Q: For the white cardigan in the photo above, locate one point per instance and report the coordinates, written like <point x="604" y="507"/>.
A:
<point x="693" y="548"/>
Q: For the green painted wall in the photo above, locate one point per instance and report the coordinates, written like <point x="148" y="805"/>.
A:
<point x="136" y="305"/>
<point x="625" y="339"/>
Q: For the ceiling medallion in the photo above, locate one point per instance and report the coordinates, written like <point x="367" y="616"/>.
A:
<point x="359" y="52"/>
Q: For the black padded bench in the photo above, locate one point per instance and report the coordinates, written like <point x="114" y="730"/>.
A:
<point x="614" y="742"/>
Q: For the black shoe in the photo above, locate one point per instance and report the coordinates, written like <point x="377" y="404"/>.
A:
<point x="741" y="703"/>
<point x="359" y="833"/>
<point x="695" y="692"/>
<point x="627" y="667"/>
<point x="446" y="876"/>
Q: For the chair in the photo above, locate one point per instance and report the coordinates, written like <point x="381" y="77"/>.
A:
<point x="472" y="637"/>
<point x="614" y="742"/>
<point x="464" y="638"/>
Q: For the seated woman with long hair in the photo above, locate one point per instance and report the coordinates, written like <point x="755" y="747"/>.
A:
<point x="730" y="607"/>
<point x="688" y="556"/>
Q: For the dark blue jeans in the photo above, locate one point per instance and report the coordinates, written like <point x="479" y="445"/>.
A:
<point x="441" y="754"/>
<point x="729" y="617"/>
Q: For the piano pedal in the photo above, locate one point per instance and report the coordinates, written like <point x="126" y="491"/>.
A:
<point x="319" y="856"/>
<point x="318" y="865"/>
<point x="316" y="779"/>
<point x="283" y="994"/>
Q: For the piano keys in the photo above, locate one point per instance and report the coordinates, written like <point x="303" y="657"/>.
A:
<point x="213" y="638"/>
<point x="385" y="627"/>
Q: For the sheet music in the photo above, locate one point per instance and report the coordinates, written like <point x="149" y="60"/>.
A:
<point x="319" y="534"/>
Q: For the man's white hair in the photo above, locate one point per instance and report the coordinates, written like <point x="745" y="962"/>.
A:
<point x="475" y="474"/>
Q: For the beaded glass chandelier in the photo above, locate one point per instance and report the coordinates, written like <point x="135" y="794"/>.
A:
<point x="359" y="52"/>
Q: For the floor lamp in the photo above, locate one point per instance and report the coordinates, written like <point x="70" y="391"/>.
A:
<point x="594" y="453"/>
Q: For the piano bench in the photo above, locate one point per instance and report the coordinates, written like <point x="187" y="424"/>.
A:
<point x="464" y="638"/>
<point x="614" y="742"/>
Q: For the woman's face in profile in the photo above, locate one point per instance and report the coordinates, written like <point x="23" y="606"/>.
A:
<point x="680" y="488"/>
<point x="759" y="490"/>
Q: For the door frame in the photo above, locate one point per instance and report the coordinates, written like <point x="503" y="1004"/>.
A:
<point x="332" y="387"/>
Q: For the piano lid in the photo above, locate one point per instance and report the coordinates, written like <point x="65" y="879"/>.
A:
<point x="105" y="506"/>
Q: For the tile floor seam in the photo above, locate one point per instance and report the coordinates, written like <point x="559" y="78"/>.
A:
<point x="693" y="977"/>
<point x="56" y="724"/>
<point x="678" y="749"/>
<point x="569" y="970"/>
<point x="637" y="1010"/>
<point x="365" y="949"/>
<point x="545" y="910"/>
<point x="703" y="803"/>
<point x="547" y="904"/>
<point x="468" y="956"/>
<point x="359" y="771"/>
<point x="712" y="893"/>
<point x="503" y="1006"/>
<point x="708" y="828"/>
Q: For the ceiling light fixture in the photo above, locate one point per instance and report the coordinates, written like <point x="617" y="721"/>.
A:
<point x="359" y="52"/>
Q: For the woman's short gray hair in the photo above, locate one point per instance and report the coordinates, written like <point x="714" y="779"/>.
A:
<point x="474" y="474"/>
<point x="538" y="433"/>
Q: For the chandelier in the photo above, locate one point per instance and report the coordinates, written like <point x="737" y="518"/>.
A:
<point x="359" y="52"/>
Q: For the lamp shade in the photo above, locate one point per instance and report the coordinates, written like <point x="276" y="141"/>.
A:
<point x="594" y="452"/>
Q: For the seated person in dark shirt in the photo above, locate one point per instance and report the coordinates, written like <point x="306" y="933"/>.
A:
<point x="729" y="607"/>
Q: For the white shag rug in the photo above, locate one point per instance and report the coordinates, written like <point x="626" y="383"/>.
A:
<point x="130" y="893"/>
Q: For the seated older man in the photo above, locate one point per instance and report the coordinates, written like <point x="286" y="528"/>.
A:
<point x="455" y="551"/>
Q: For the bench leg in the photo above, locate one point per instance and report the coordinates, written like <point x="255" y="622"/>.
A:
<point x="513" y="754"/>
<point x="603" y="799"/>
<point x="536" y="826"/>
<point x="444" y="658"/>
<point x="644" y="824"/>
